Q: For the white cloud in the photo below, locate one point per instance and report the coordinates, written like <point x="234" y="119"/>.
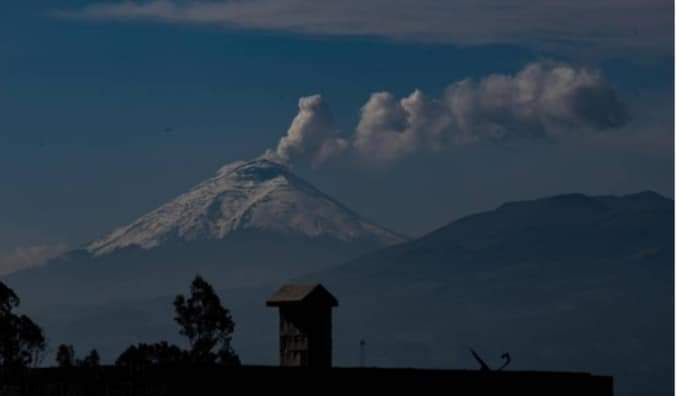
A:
<point x="543" y="101"/>
<point x="24" y="257"/>
<point x="592" y="25"/>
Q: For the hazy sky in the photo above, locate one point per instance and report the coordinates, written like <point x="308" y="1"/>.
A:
<point x="110" y="108"/>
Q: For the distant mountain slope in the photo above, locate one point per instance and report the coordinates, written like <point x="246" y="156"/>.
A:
<point x="568" y="282"/>
<point x="252" y="222"/>
<point x="556" y="229"/>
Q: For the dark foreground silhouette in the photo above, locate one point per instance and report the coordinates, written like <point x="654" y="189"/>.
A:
<point x="22" y="342"/>
<point x="210" y="380"/>
<point x="211" y="366"/>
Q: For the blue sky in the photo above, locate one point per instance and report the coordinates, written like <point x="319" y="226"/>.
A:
<point x="108" y="109"/>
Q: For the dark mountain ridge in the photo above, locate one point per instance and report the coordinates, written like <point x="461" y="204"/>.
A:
<point x="570" y="282"/>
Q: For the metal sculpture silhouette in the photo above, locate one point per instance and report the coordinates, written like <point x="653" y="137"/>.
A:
<point x="507" y="358"/>
<point x="485" y="367"/>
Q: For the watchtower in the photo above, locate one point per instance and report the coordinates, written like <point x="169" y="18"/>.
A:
<point x="305" y="325"/>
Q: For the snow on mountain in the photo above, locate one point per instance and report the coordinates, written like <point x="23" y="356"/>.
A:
<point x="255" y="195"/>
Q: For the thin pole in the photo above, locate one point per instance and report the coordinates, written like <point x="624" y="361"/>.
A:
<point x="363" y="347"/>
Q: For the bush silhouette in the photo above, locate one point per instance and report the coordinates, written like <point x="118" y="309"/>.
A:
<point x="22" y="342"/>
<point x="65" y="356"/>
<point x="151" y="355"/>
<point x="91" y="360"/>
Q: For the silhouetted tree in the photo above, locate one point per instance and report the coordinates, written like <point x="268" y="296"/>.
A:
<point x="8" y="300"/>
<point x="204" y="321"/>
<point x="65" y="356"/>
<point x="151" y="355"/>
<point x="91" y="360"/>
<point x="22" y="342"/>
<point x="207" y="325"/>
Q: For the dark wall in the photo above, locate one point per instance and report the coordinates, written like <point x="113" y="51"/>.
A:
<point x="202" y="381"/>
<point x="305" y="336"/>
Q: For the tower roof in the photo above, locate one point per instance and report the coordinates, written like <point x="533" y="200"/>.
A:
<point x="302" y="293"/>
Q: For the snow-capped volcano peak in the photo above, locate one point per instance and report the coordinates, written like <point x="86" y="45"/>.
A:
<point x="258" y="195"/>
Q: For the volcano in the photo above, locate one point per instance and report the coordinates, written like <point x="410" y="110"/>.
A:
<point x="253" y="222"/>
